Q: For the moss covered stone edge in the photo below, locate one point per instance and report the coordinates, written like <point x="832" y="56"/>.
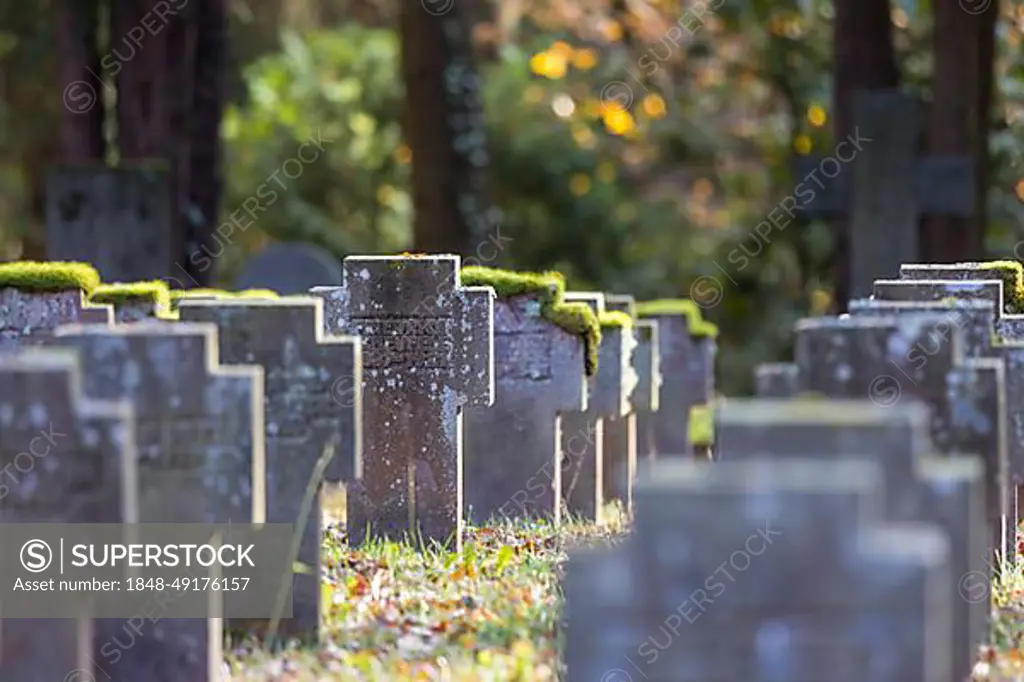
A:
<point x="697" y="325"/>
<point x="49" y="276"/>
<point x="576" y="318"/>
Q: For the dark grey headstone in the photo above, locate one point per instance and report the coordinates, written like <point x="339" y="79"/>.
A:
<point x="117" y="219"/>
<point x="947" y="492"/>
<point x="608" y="391"/>
<point x="28" y="318"/>
<point x="512" y="448"/>
<point x="889" y="359"/>
<point x="776" y="380"/>
<point x="199" y="429"/>
<point x="289" y="268"/>
<point x="806" y="576"/>
<point x="313" y="400"/>
<point x="427" y="354"/>
<point x="65" y="459"/>
<point x="687" y="368"/>
<point x="886" y="188"/>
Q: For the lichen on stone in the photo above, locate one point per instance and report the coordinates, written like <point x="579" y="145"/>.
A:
<point x="615" y="319"/>
<point x="697" y="325"/>
<point x="700" y="427"/>
<point x="154" y="292"/>
<point x="1012" y="274"/>
<point x="51" y="276"/>
<point x="576" y="318"/>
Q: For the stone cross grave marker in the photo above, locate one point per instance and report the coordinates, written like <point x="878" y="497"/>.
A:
<point x="66" y="459"/>
<point x="427" y="354"/>
<point x="879" y="358"/>
<point x="620" y="432"/>
<point x="986" y="338"/>
<point x="608" y="392"/>
<point x="976" y="318"/>
<point x="937" y="290"/>
<point x="776" y="380"/>
<point x="602" y="590"/>
<point x="313" y="401"/>
<point x="513" y="448"/>
<point x="290" y="268"/>
<point x="806" y="576"/>
<point x="886" y="188"/>
<point x="1009" y="325"/>
<point x="28" y="318"/>
<point x="117" y="219"/>
<point x="687" y="361"/>
<point x="199" y="429"/>
<point x="134" y="302"/>
<point x="918" y="487"/>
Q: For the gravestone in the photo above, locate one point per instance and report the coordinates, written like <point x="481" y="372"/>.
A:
<point x="776" y="380"/>
<point x="312" y="400"/>
<point x="28" y="318"/>
<point x="289" y="268"/>
<point x="918" y="487"/>
<point x="134" y="302"/>
<point x="977" y="320"/>
<point x="513" y="448"/>
<point x="619" y="454"/>
<point x="888" y="359"/>
<point x="427" y="354"/>
<point x="199" y="429"/>
<point x="687" y="360"/>
<point x="1002" y="342"/>
<point x="787" y="570"/>
<point x="608" y="390"/>
<point x="117" y="219"/>
<point x="956" y="271"/>
<point x="66" y="459"/>
<point x="937" y="290"/>
<point x="887" y="188"/>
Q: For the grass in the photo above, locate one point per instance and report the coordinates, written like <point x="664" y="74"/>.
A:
<point x="488" y="613"/>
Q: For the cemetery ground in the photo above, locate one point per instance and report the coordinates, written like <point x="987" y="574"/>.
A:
<point x="491" y="612"/>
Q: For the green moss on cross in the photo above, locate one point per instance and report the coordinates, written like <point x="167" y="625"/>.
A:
<point x="615" y="319"/>
<point x="1012" y="274"/>
<point x="549" y="287"/>
<point x="697" y="325"/>
<point x="154" y="292"/>
<point x="700" y="427"/>
<point x="49" y="276"/>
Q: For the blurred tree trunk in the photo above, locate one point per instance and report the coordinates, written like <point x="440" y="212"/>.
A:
<point x="864" y="60"/>
<point x="443" y="126"/>
<point x="82" y="113"/>
<point x="958" y="121"/>
<point x="81" y="129"/>
<point x="155" y="73"/>
<point x="206" y="180"/>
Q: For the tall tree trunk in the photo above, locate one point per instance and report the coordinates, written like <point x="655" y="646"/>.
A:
<point x="153" y="57"/>
<point x="986" y="25"/>
<point x="958" y="121"/>
<point x="443" y="125"/>
<point x="864" y="60"/>
<point x="205" y="175"/>
<point x="82" y="115"/>
<point x="81" y="129"/>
